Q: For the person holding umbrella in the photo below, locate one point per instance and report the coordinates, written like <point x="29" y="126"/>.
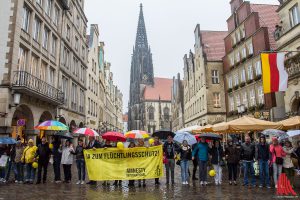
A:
<point x="169" y="150"/>
<point x="200" y="152"/>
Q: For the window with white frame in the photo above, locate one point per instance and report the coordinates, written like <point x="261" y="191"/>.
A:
<point x="40" y="2"/>
<point x="46" y="37"/>
<point x="26" y="18"/>
<point x="243" y="75"/>
<point x="237" y="100"/>
<point x="237" y="56"/>
<point x="250" y="72"/>
<point x="250" y="49"/>
<point x="68" y="32"/>
<point x="215" y="76"/>
<point x="294" y="15"/>
<point x="76" y="43"/>
<point x="238" y="36"/>
<point x="236" y="80"/>
<point x="74" y="96"/>
<point x="81" y="101"/>
<point x="53" y="45"/>
<point x="245" y="99"/>
<point x="43" y="71"/>
<point x="51" y="76"/>
<point x="261" y="96"/>
<point x="231" y="60"/>
<point x="258" y="68"/>
<point x="66" y="58"/>
<point x="244" y="52"/>
<point x="230" y="82"/>
<point x="48" y="7"/>
<point x="203" y="101"/>
<point x="231" y="104"/>
<point x="56" y="15"/>
<point x="36" y="29"/>
<point x="233" y="39"/>
<point x="34" y="65"/>
<point x="243" y="32"/>
<point x="22" y="59"/>
<point x="252" y="97"/>
<point x="217" y="99"/>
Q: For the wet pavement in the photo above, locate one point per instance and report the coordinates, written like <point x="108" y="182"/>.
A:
<point x="72" y="191"/>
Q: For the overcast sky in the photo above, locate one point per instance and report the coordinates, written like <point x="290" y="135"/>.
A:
<point x="170" y="26"/>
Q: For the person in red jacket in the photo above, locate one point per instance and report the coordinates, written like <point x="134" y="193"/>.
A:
<point x="277" y="155"/>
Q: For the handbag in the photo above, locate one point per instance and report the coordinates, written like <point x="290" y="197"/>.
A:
<point x="278" y="160"/>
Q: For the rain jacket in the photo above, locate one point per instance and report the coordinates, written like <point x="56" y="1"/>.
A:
<point x="279" y="152"/>
<point x="201" y="150"/>
<point x="29" y="154"/>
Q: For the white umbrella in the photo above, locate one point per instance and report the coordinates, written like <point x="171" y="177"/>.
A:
<point x="181" y="136"/>
<point x="273" y="132"/>
<point x="293" y="133"/>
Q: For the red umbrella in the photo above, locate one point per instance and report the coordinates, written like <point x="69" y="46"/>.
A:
<point x="114" y="137"/>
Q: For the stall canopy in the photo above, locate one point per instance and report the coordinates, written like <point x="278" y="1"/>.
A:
<point x="190" y="129"/>
<point x="246" y="124"/>
<point x="290" y="123"/>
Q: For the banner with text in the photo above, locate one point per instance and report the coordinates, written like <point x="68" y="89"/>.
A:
<point x="127" y="164"/>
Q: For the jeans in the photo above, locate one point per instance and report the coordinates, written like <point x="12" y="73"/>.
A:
<point x="184" y="170"/>
<point x="218" y="176"/>
<point x="195" y="164"/>
<point x="56" y="168"/>
<point x="67" y="172"/>
<point x="232" y="171"/>
<point x="30" y="172"/>
<point x="42" y="166"/>
<point x="264" y="172"/>
<point x="170" y="165"/>
<point x="277" y="170"/>
<point x="81" y="169"/>
<point x="2" y="172"/>
<point x="202" y="170"/>
<point x="19" y="171"/>
<point x="9" y="165"/>
<point x="248" y="166"/>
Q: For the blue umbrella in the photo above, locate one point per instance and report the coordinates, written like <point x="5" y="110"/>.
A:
<point x="7" y="140"/>
<point x="181" y="136"/>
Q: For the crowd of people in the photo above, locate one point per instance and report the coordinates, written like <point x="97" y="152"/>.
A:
<point x="204" y="156"/>
<point x="272" y="159"/>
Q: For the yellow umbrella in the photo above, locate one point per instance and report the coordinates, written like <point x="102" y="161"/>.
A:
<point x="290" y="123"/>
<point x="246" y="124"/>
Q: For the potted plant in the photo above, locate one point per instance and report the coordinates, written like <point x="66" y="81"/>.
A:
<point x="257" y="77"/>
<point x="242" y="84"/>
<point x="229" y="90"/>
<point x="260" y="106"/>
<point x="251" y="108"/>
<point x="249" y="81"/>
<point x="236" y="87"/>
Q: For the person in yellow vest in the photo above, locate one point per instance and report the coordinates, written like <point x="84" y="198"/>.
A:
<point x="28" y="158"/>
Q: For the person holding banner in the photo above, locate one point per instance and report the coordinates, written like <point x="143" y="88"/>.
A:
<point x="93" y="144"/>
<point x="80" y="162"/>
<point x="131" y="182"/>
<point x="156" y="143"/>
<point x="141" y="143"/>
<point x="107" y="145"/>
<point x="169" y="150"/>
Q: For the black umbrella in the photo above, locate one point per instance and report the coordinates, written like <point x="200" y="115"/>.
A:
<point x="210" y="136"/>
<point x="65" y="135"/>
<point x="163" y="134"/>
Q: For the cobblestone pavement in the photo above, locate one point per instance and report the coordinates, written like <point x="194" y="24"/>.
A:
<point x="72" y="191"/>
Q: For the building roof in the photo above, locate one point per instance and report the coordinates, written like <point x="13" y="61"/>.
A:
<point x="268" y="17"/>
<point x="213" y="43"/>
<point x="160" y="90"/>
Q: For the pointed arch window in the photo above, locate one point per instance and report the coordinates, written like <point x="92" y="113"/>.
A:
<point x="166" y="114"/>
<point x="151" y="113"/>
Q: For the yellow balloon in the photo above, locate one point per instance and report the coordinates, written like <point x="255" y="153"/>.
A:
<point x="212" y="173"/>
<point x="120" y="145"/>
<point x="35" y="165"/>
<point x="51" y="146"/>
<point x="151" y="141"/>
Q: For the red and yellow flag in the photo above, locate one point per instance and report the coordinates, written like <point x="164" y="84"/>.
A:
<point x="275" y="77"/>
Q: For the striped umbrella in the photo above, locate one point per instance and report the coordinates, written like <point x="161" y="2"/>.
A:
<point x="52" y="125"/>
<point x="136" y="134"/>
<point x="86" y="132"/>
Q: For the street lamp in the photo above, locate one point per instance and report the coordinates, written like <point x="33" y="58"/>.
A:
<point x="241" y="109"/>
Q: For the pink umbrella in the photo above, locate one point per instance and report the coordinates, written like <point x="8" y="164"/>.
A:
<point x="86" y="132"/>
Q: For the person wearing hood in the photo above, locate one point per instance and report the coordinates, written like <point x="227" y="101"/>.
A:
<point x="232" y="155"/>
<point x="262" y="154"/>
<point x="278" y="154"/>
<point x="28" y="157"/>
<point x="42" y="155"/>
<point x="216" y="153"/>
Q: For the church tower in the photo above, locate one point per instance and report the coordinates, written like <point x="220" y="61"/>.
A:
<point x="141" y="73"/>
